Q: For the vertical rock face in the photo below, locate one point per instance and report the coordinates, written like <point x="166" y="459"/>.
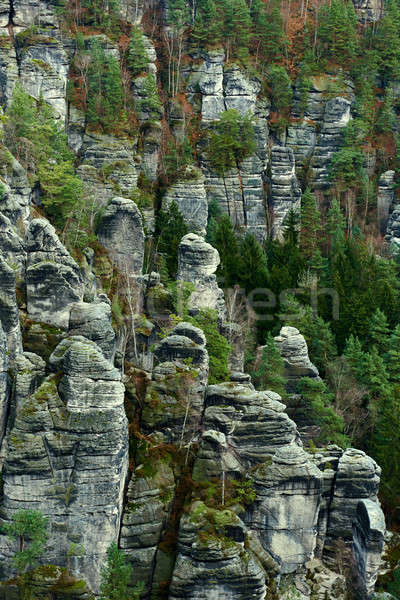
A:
<point x="392" y="237"/>
<point x="285" y="189"/>
<point x="385" y="198"/>
<point x="53" y="279"/>
<point x="255" y="423"/>
<point x="197" y="263"/>
<point x="4" y="396"/>
<point x="286" y="508"/>
<point x="93" y="321"/>
<point x="368" y="11"/>
<point x="191" y="199"/>
<point x="144" y="519"/>
<point x="12" y="246"/>
<point x="9" y="316"/>
<point x="368" y="537"/>
<point x="336" y="117"/>
<point x="15" y="200"/>
<point x="107" y="165"/>
<point x="357" y="478"/>
<point x="67" y="456"/>
<point x="121" y="233"/>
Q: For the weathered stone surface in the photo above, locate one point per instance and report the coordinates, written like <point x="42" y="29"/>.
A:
<point x="293" y="349"/>
<point x="27" y="375"/>
<point x="191" y="199"/>
<point x="368" y="11"/>
<point x="175" y="398"/>
<point x="368" y="537"/>
<point x="12" y="246"/>
<point x="197" y="263"/>
<point x="212" y="562"/>
<point x="357" y="478"/>
<point x="43" y="69"/>
<point x="385" y="198"/>
<point x="108" y="167"/>
<point x="121" y="233"/>
<point x="4" y="388"/>
<point x="15" y="200"/>
<point x="53" y="279"/>
<point x="285" y="189"/>
<point x="67" y="456"/>
<point x="49" y="582"/>
<point x="8" y="61"/>
<point x="9" y="316"/>
<point x="93" y="321"/>
<point x="255" y="423"/>
<point x="392" y="236"/>
<point x="286" y="509"/>
<point x="324" y="583"/>
<point x="144" y="520"/>
<point x="336" y="117"/>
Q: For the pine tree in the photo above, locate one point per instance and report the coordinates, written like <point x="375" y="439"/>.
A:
<point x="252" y="267"/>
<point x="138" y="58"/>
<point x="268" y="30"/>
<point x="392" y="357"/>
<point x="379" y="331"/>
<point x="336" y="226"/>
<point x="226" y="243"/>
<point x="29" y="528"/>
<point x="236" y="28"/>
<point x="337" y="31"/>
<point x="387" y="43"/>
<point x="105" y="97"/>
<point x="354" y="354"/>
<point x="207" y="27"/>
<point x="170" y="228"/>
<point x="116" y="576"/>
<point x="310" y="226"/>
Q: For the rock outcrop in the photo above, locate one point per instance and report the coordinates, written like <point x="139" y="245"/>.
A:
<point x="293" y="349"/>
<point x="368" y="538"/>
<point x="191" y="199"/>
<point x="53" y="279"/>
<point x="285" y="512"/>
<point x="121" y="233"/>
<point x="197" y="263"/>
<point x="285" y="189"/>
<point x="385" y="198"/>
<point x="67" y="456"/>
<point x="9" y="316"/>
<point x="392" y="236"/>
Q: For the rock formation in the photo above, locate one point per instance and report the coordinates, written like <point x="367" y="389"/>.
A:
<point x="197" y="263"/>
<point x="121" y="233"/>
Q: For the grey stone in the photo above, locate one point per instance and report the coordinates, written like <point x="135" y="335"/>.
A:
<point x="285" y="189"/>
<point x="9" y="315"/>
<point x="191" y="199"/>
<point x="286" y="509"/>
<point x="121" y="233"/>
<point x="368" y="538"/>
<point x="385" y="198"/>
<point x="293" y="349"/>
<point x="53" y="279"/>
<point x="197" y="263"/>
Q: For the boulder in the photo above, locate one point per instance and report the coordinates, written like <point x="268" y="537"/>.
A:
<point x="67" y="456"/>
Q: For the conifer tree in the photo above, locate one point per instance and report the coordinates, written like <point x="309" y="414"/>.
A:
<point x="310" y="226"/>
<point x="170" y="229"/>
<point x="226" y="243"/>
<point x="387" y="42"/>
<point x="392" y="357"/>
<point x="379" y="331"/>
<point x="354" y="353"/>
<point x="236" y="28"/>
<point x="252" y="267"/>
<point x="207" y="28"/>
<point x="336" y="227"/>
<point x="138" y="58"/>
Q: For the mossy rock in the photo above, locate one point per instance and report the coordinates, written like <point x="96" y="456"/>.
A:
<point x="41" y="338"/>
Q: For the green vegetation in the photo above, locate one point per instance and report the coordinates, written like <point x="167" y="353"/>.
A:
<point x="37" y="140"/>
<point x="231" y="141"/>
<point x="116" y="577"/>
<point x="217" y="345"/>
<point x="29" y="529"/>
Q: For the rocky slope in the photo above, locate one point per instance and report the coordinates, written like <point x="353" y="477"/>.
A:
<point x="112" y="429"/>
